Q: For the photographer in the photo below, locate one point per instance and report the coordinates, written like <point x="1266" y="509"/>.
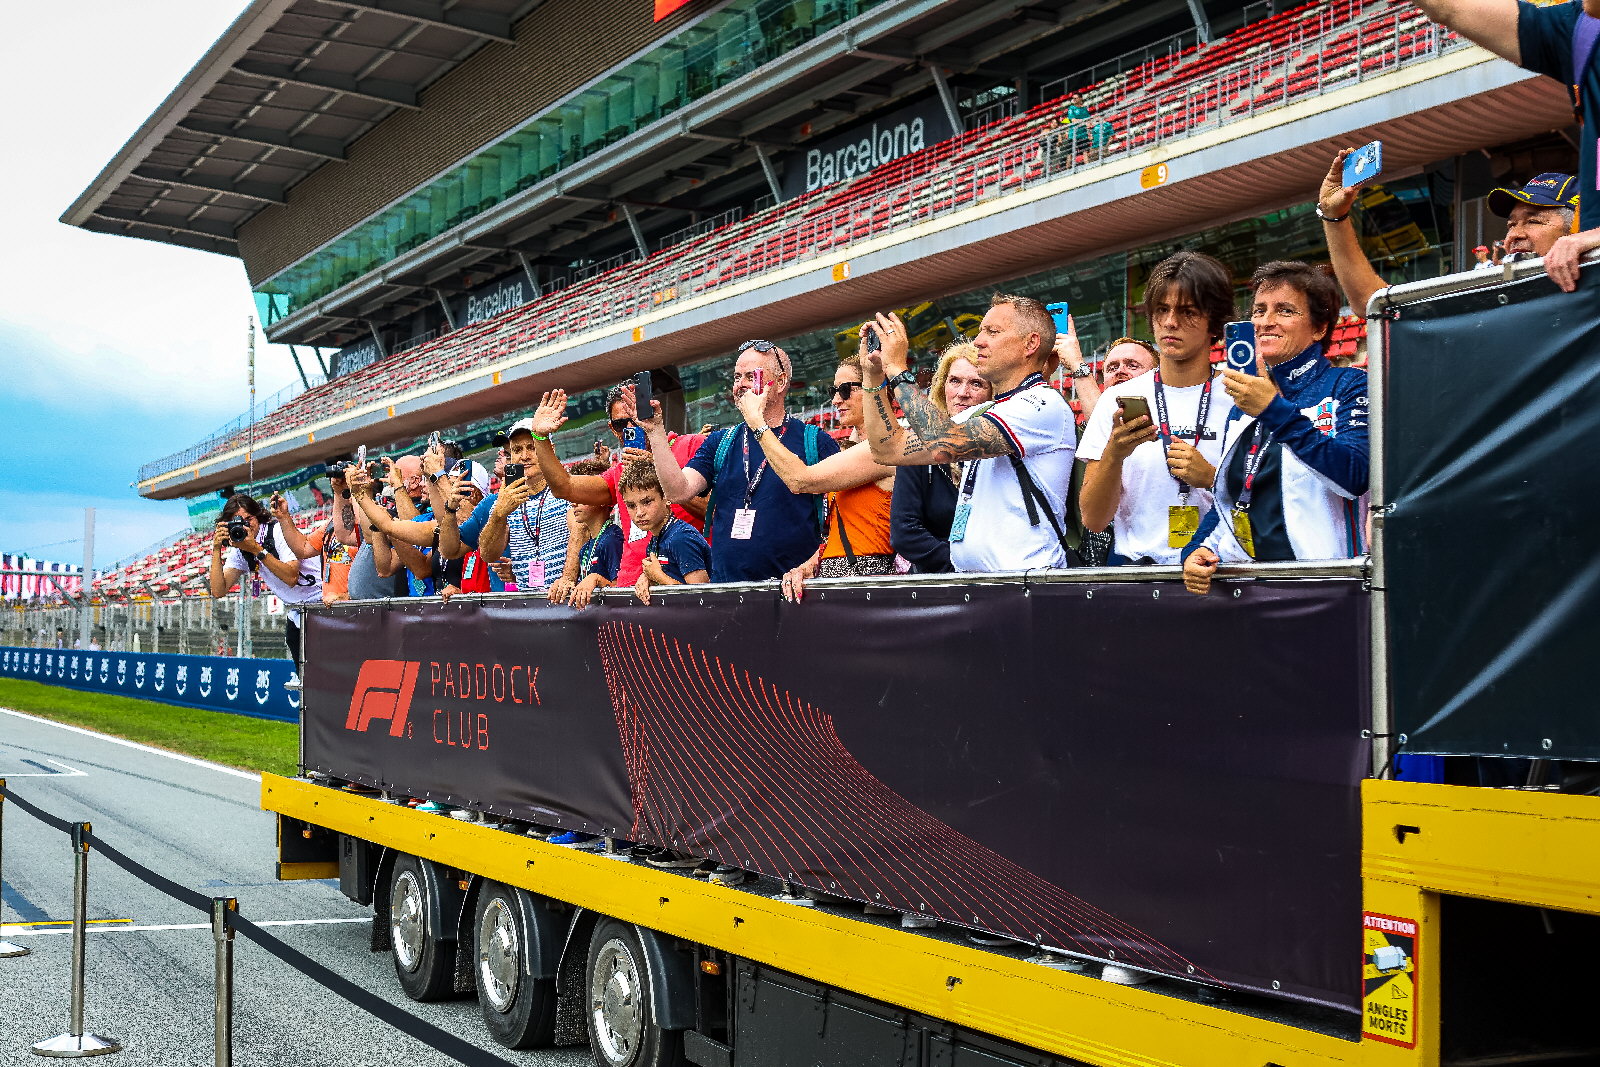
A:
<point x="237" y="548"/>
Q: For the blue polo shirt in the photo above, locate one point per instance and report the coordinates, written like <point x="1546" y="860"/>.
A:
<point x="605" y="553"/>
<point x="785" y="533"/>
<point x="1544" y="36"/>
<point x="682" y="549"/>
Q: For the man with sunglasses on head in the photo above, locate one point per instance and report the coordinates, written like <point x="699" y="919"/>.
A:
<point x="602" y="490"/>
<point x="758" y="528"/>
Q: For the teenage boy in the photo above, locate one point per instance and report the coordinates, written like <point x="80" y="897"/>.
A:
<point x="1150" y="475"/>
<point x="676" y="554"/>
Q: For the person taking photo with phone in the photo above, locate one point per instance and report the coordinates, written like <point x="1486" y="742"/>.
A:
<point x="760" y="528"/>
<point x="1295" y="464"/>
<point x="1152" y="445"/>
<point x="603" y="490"/>
<point x="524" y="522"/>
<point x="1011" y="507"/>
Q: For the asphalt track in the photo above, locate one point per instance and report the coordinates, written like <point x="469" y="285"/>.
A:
<point x="200" y="825"/>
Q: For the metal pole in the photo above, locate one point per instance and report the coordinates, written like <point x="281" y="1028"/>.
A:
<point x="250" y="453"/>
<point x="86" y="610"/>
<point x="222" y="935"/>
<point x="76" y="1044"/>
<point x="7" y="949"/>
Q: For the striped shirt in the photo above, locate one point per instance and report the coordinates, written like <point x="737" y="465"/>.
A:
<point x="537" y="531"/>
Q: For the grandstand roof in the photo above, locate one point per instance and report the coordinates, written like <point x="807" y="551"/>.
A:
<point x="283" y="92"/>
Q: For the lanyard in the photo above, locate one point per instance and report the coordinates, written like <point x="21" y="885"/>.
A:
<point x="1166" y="425"/>
<point x="538" y="516"/>
<point x="969" y="480"/>
<point x="1258" y="447"/>
<point x="654" y="547"/>
<point x="591" y="549"/>
<point x="749" y="483"/>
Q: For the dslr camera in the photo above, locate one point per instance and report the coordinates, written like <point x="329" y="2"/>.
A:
<point x="238" y="529"/>
<point x="335" y="467"/>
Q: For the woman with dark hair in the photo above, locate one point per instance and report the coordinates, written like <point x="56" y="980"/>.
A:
<point x="247" y="542"/>
<point x="1294" y="469"/>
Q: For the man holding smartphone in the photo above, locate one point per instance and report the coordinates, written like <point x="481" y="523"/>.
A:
<point x="1152" y="445"/>
<point x="524" y="522"/>
<point x="604" y="490"/>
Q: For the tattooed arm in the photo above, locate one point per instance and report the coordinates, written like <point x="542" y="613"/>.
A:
<point x="932" y="437"/>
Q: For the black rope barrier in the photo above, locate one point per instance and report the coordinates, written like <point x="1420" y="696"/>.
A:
<point x="457" y="1048"/>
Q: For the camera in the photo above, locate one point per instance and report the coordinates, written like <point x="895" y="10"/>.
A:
<point x="513" y="472"/>
<point x="335" y="468"/>
<point x="375" y="471"/>
<point x="238" y="529"/>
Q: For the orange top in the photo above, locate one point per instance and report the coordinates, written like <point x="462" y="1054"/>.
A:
<point x="864" y="511"/>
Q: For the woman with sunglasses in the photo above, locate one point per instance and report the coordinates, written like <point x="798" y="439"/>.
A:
<point x="924" y="502"/>
<point x="859" y="490"/>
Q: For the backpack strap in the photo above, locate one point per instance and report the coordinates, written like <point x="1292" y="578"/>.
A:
<point x="813" y="448"/>
<point x="1034" y="499"/>
<point x="1585" y="35"/>
<point x="724" y="447"/>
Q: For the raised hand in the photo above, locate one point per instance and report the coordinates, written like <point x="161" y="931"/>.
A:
<point x="551" y="413"/>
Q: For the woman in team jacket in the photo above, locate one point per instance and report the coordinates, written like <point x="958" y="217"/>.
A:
<point x="1294" y="471"/>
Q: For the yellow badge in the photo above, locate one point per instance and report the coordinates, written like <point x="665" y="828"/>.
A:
<point x="1242" y="531"/>
<point x="1183" y="520"/>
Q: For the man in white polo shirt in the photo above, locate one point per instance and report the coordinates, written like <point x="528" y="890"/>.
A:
<point x="1149" y="476"/>
<point x="1015" y="453"/>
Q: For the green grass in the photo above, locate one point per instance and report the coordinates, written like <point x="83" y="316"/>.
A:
<point x="236" y="740"/>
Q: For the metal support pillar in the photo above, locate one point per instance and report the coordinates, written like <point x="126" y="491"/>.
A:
<point x="638" y="234"/>
<point x="444" y="306"/>
<point x="533" y="275"/>
<point x="771" y="175"/>
<point x="1202" y="25"/>
<point x="222" y="935"/>
<point x="322" y="361"/>
<point x="7" y="949"/>
<point x="76" y="1044"/>
<point x="294" y="355"/>
<point x="948" y="99"/>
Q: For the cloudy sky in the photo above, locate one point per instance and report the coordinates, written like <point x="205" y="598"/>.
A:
<point x="115" y="351"/>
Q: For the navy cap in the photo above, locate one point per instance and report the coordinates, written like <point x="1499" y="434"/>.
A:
<point x="1546" y="190"/>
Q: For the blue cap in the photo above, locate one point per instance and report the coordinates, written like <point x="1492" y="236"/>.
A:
<point x="1546" y="190"/>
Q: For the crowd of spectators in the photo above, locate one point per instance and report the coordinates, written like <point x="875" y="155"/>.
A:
<point x="984" y="468"/>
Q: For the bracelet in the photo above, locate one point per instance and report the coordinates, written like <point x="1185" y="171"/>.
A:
<point x="1330" y="218"/>
<point x="865" y="388"/>
<point x="538" y="436"/>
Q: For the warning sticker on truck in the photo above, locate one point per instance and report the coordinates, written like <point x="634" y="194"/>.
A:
<point x="1389" y="979"/>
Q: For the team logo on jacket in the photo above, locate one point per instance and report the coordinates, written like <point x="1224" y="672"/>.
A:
<point x="1323" y="417"/>
<point x="383" y="691"/>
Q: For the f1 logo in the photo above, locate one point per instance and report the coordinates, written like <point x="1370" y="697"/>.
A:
<point x="383" y="691"/>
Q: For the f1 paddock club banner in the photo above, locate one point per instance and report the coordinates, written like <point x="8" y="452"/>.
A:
<point x="216" y="683"/>
<point x="1490" y="652"/>
<point x="1170" y="781"/>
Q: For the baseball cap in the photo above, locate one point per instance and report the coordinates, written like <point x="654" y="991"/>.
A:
<point x="1552" y="189"/>
<point x="1480" y="248"/>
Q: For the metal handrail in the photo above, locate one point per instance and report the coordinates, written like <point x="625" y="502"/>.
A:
<point x="820" y="224"/>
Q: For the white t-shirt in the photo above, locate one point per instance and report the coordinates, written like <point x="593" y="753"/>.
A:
<point x="306" y="590"/>
<point x="1148" y="488"/>
<point x="1039" y="425"/>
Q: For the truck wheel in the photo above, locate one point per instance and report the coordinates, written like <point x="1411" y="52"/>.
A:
<point x="622" y="1029"/>
<point x="426" y="968"/>
<point x="518" y="1009"/>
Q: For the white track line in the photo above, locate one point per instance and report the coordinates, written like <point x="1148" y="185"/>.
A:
<point x="124" y="742"/>
<point x="22" y="931"/>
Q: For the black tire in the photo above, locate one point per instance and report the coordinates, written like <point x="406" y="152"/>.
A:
<point x="519" y="1010"/>
<point x="617" y="1003"/>
<point x="425" y="966"/>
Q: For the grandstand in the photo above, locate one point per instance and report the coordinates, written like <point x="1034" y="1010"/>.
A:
<point x="316" y="139"/>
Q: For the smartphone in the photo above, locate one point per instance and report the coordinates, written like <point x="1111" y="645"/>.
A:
<point x="1363" y="165"/>
<point x="635" y="438"/>
<point x="874" y="342"/>
<point x="433" y="441"/>
<point x="1239" y="346"/>
<point x="449" y="468"/>
<point x="513" y="472"/>
<point x="1132" y="407"/>
<point x="361" y="456"/>
<point x="642" y="396"/>
<point x="760" y="385"/>
<point x="1059" y="313"/>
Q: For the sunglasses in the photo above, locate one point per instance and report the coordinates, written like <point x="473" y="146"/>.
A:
<point x="844" y="390"/>
<point x="767" y="346"/>
<point x="620" y="425"/>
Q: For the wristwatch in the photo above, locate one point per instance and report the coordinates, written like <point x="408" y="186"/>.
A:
<point x="1083" y="370"/>
<point x="759" y="431"/>
<point x="905" y="377"/>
